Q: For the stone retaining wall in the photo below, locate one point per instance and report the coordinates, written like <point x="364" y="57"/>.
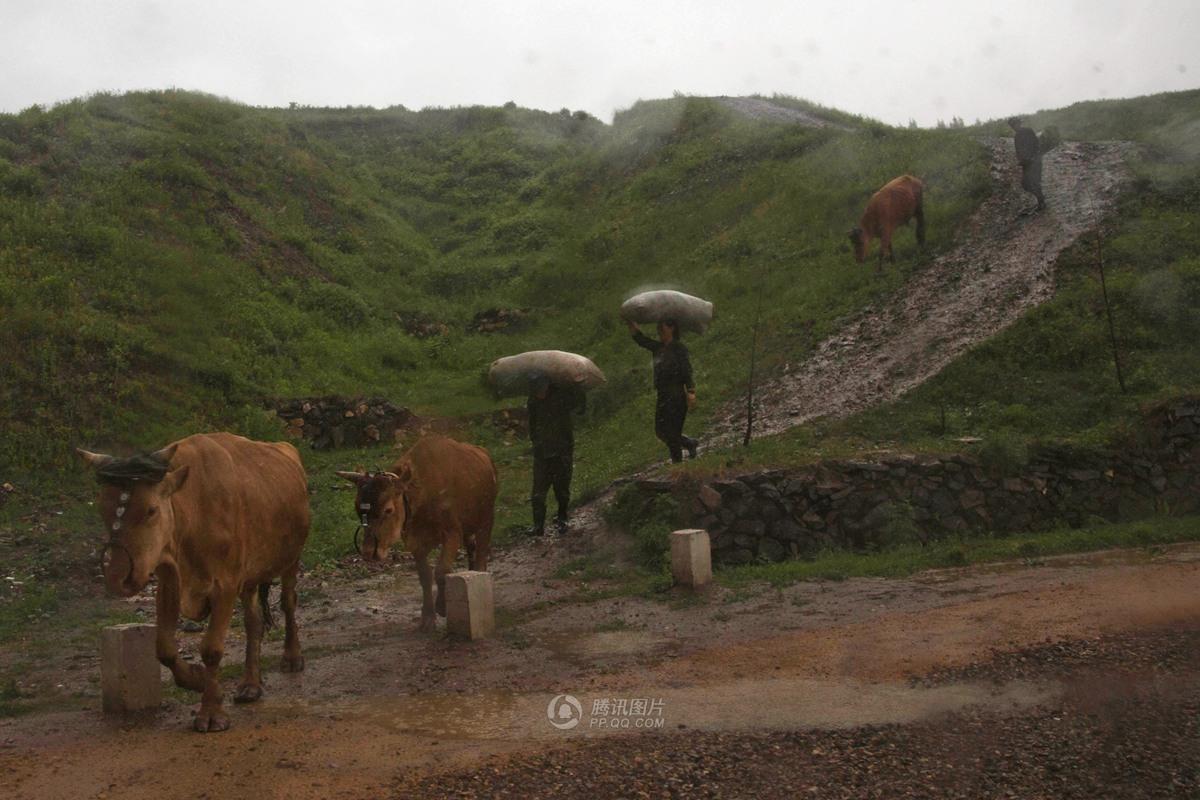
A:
<point x="331" y="422"/>
<point x="334" y="421"/>
<point x="850" y="504"/>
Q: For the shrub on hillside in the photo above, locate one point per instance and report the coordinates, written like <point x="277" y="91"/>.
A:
<point x="1003" y="453"/>
<point x="335" y="303"/>
<point x="649" y="520"/>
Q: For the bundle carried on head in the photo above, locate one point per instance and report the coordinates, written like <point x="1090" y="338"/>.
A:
<point x="661" y="305"/>
<point x="517" y="375"/>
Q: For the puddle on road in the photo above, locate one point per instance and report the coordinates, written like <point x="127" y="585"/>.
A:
<point x="591" y="648"/>
<point x="772" y="704"/>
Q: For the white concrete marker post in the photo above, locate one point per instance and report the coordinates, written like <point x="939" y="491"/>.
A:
<point x="470" y="609"/>
<point x="691" y="558"/>
<point x="129" y="669"/>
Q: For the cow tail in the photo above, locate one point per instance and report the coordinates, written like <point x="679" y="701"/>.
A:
<point x="264" y="605"/>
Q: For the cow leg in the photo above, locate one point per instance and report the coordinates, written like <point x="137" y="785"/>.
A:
<point x="451" y="543"/>
<point x="482" y="541"/>
<point x="211" y="717"/>
<point x="469" y="544"/>
<point x="166" y="601"/>
<point x="250" y="689"/>
<point x="920" y="214"/>
<point x="425" y="572"/>
<point x="293" y="659"/>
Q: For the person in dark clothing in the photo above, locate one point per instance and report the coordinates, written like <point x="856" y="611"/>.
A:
<point x="1029" y="156"/>
<point x="551" y="429"/>
<point x="673" y="382"/>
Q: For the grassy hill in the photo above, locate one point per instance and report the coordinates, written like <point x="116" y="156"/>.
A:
<point x="169" y="261"/>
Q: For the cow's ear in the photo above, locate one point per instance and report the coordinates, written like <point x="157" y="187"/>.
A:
<point x="404" y="474"/>
<point x="357" y="478"/>
<point x="173" y="481"/>
<point x="166" y="454"/>
<point x="93" y="460"/>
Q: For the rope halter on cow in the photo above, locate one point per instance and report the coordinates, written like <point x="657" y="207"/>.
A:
<point x="364" y="509"/>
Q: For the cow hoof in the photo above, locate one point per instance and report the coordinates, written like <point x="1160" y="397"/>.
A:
<point x="248" y="693"/>
<point x="292" y="664"/>
<point x="210" y="722"/>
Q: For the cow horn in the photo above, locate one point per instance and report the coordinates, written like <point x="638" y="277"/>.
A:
<point x="93" y="460"/>
<point x="166" y="454"/>
<point x="357" y="478"/>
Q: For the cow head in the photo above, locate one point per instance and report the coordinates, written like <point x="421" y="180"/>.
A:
<point x="135" y="505"/>
<point x="860" y="244"/>
<point x="382" y="507"/>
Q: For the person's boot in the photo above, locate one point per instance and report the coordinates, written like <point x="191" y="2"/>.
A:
<point x="691" y="445"/>
<point x="560" y="521"/>
<point x="539" y="519"/>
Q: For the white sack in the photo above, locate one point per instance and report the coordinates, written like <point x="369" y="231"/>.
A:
<point x="514" y="375"/>
<point x="692" y="313"/>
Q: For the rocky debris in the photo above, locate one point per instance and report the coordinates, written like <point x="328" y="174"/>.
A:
<point x="771" y="516"/>
<point x="495" y="320"/>
<point x="421" y="326"/>
<point x="1113" y="732"/>
<point x="1149" y="654"/>
<point x="334" y="421"/>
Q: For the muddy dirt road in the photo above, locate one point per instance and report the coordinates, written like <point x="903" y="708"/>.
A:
<point x="1002" y="264"/>
<point x="813" y="668"/>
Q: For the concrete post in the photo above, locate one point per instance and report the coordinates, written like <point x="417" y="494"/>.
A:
<point x="691" y="558"/>
<point x="129" y="669"/>
<point x="470" y="609"/>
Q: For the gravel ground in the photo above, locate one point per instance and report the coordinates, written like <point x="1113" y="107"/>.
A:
<point x="1127" y="725"/>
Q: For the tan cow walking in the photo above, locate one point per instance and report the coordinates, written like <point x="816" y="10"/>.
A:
<point x="441" y="493"/>
<point x="214" y="517"/>
<point x="900" y="200"/>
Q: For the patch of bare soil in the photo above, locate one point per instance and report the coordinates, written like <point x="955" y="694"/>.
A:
<point x="1001" y="266"/>
<point x="758" y="108"/>
<point x="381" y="707"/>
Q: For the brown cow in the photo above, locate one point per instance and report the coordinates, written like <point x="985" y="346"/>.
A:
<point x="441" y="493"/>
<point x="214" y="517"/>
<point x="892" y="206"/>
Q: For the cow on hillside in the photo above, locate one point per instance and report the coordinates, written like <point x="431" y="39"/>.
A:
<point x="441" y="493"/>
<point x="214" y="517"/>
<point x="891" y="207"/>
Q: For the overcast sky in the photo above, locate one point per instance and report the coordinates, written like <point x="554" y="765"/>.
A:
<point x="893" y="60"/>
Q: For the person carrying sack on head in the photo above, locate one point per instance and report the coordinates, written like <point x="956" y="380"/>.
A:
<point x="551" y="430"/>
<point x="1029" y="156"/>
<point x="674" y="384"/>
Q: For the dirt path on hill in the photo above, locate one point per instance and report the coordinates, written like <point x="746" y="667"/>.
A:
<point x="382" y="710"/>
<point x="1001" y="265"/>
<point x="758" y="108"/>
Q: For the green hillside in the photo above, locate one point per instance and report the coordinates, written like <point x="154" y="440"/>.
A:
<point x="1051" y="376"/>
<point x="171" y="261"/>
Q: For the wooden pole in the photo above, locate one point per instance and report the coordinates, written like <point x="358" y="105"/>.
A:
<point x="753" y="356"/>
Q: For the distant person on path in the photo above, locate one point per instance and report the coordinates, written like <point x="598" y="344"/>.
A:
<point x="551" y="429"/>
<point x="673" y="382"/>
<point x="1029" y="156"/>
